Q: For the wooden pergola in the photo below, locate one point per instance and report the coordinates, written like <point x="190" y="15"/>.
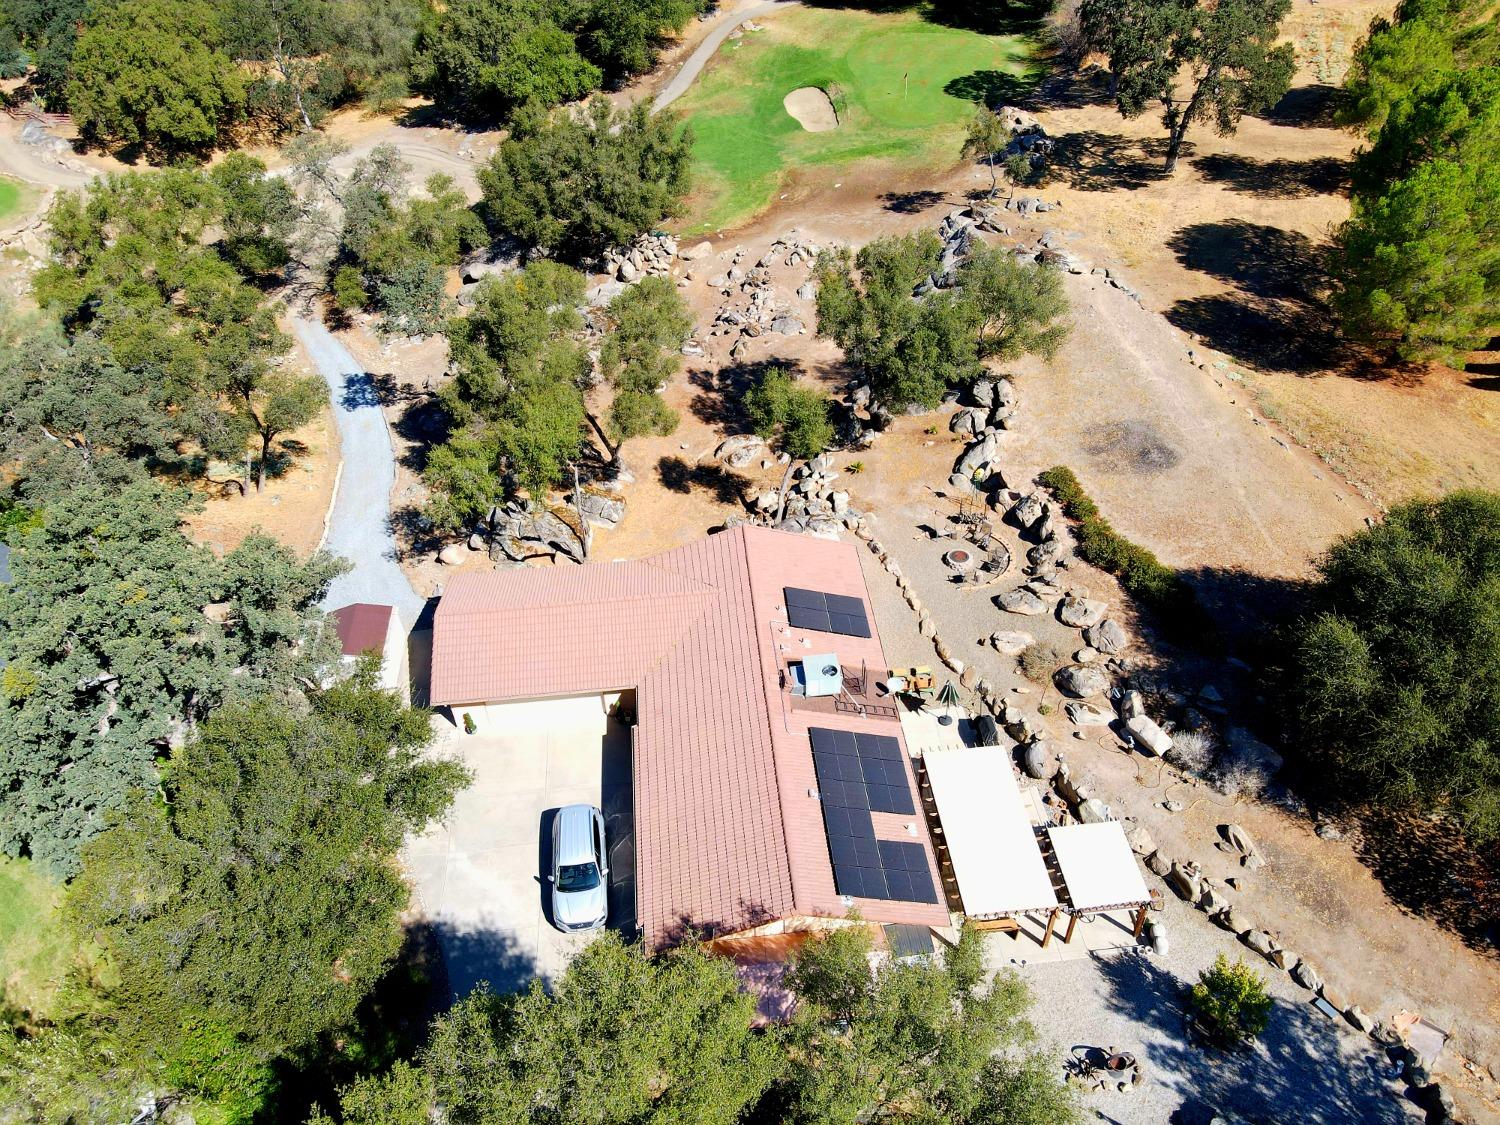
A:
<point x="1099" y="872"/>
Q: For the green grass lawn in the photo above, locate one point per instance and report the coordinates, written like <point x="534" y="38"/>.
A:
<point x="903" y="88"/>
<point x="10" y="197"/>
<point x="34" y="948"/>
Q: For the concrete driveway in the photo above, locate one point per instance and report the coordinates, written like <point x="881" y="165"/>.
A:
<point x="479" y="877"/>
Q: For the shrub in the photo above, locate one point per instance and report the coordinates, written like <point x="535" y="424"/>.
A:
<point x="1229" y="1003"/>
<point x="349" y="291"/>
<point x="1039" y="660"/>
<point x="1193" y="751"/>
<point x="1145" y="577"/>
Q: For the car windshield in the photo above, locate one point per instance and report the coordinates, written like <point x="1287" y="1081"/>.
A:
<point x="577" y="877"/>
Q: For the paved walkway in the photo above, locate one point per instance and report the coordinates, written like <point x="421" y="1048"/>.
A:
<point x="728" y="22"/>
<point x="360" y="527"/>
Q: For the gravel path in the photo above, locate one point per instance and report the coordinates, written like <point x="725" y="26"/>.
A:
<point x="690" y="69"/>
<point x="360" y="527"/>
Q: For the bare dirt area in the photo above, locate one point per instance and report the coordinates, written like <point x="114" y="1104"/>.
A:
<point x="293" y="505"/>
<point x="1229" y="249"/>
<point x="292" y="508"/>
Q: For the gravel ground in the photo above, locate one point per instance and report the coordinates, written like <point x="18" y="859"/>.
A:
<point x="1307" y="1068"/>
<point x="360" y="527"/>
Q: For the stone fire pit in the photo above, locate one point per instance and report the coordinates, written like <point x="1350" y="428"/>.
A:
<point x="960" y="560"/>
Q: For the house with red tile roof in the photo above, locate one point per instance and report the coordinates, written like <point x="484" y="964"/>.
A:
<point x="739" y="825"/>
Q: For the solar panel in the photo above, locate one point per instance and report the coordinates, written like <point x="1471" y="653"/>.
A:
<point x="907" y="875"/>
<point x="826" y="613"/>
<point x="858" y="773"/>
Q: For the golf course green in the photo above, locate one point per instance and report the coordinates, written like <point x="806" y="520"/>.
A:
<point x="902" y="87"/>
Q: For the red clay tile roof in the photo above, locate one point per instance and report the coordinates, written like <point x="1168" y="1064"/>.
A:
<point x="362" y="627"/>
<point x="727" y="835"/>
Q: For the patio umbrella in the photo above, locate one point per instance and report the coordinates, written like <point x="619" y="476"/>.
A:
<point x="947" y="698"/>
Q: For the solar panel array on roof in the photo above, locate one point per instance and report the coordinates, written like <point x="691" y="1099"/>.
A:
<point x="825" y="613"/>
<point x="858" y="773"/>
<point x="862" y="770"/>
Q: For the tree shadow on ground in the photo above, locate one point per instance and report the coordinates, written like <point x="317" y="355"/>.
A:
<point x="720" y="397"/>
<point x="1072" y="89"/>
<point x="1304" y="1068"/>
<point x="1275" y="179"/>
<point x="1093" y="161"/>
<point x="677" y="475"/>
<point x="1275" y="336"/>
<point x="1427" y="868"/>
<point x="392" y="1023"/>
<point x="1277" y="320"/>
<point x="1262" y="261"/>
<point x="1306" y="106"/>
<point x="424" y="423"/>
<point x="912" y="202"/>
<point x="990" y="87"/>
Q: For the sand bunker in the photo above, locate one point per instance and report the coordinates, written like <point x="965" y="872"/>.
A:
<point x="812" y="109"/>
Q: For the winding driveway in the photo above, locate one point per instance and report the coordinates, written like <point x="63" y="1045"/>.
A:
<point x="714" y="40"/>
<point x="359" y="528"/>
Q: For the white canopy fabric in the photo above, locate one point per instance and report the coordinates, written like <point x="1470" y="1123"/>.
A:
<point x="990" y="841"/>
<point x="1098" y="867"/>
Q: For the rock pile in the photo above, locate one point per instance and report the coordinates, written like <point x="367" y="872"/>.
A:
<point x="753" y="307"/>
<point x="522" y="530"/>
<point x="650" y="255"/>
<point x="812" y="503"/>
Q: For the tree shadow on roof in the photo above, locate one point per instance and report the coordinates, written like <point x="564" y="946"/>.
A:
<point x="1275" y="179"/>
<point x="1305" y="1068"/>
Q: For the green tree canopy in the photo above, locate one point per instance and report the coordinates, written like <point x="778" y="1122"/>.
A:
<point x="622" y="36"/>
<point x="913" y="349"/>
<point x="794" y="415"/>
<point x="1222" y="56"/>
<point x="153" y="74"/>
<point x="516" y="403"/>
<point x="1230" y="1003"/>
<point x="109" y="657"/>
<point x="580" y="183"/>
<point x="1421" y="44"/>
<point x="640" y="354"/>
<point x="1417" y="265"/>
<point x="482" y="59"/>
<point x="913" y="1041"/>
<point x="250" y="911"/>
<point x="393" y="250"/>
<point x="620" y="1038"/>
<point x="1394" y="668"/>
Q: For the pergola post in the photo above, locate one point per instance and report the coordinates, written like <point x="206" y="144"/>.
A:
<point x="1051" y="921"/>
<point x="1140" y="919"/>
<point x="1072" y="922"/>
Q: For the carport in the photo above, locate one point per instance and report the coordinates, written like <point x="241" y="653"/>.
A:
<point x="984" y="838"/>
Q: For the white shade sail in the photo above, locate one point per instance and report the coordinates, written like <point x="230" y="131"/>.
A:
<point x="989" y="837"/>
<point x="1098" y="867"/>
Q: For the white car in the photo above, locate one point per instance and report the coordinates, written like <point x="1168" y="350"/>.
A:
<point x="580" y="869"/>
